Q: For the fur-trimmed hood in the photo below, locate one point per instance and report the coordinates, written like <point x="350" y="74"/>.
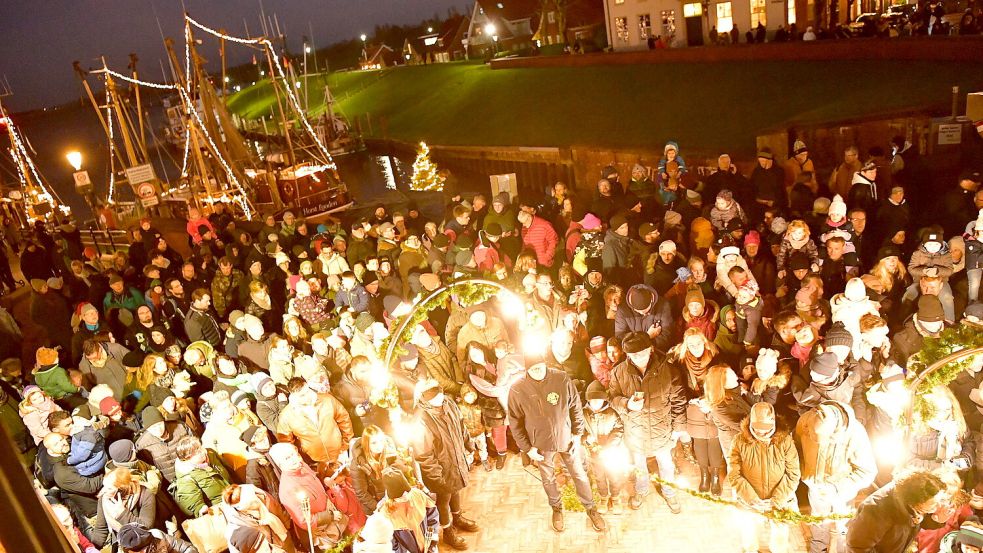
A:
<point x="710" y="309"/>
<point x="779" y="380"/>
<point x="782" y="430"/>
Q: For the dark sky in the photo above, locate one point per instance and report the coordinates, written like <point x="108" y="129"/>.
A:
<point x="39" y="39"/>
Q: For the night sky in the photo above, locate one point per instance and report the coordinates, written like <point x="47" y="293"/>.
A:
<point x="39" y="39"/>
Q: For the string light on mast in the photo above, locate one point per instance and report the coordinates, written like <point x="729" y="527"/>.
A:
<point x="112" y="148"/>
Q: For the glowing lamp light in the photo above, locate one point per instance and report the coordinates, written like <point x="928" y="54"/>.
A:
<point x="616" y="459"/>
<point x="534" y="344"/>
<point x="74" y="159"/>
<point x="363" y="37"/>
<point x="408" y="432"/>
<point x="307" y="49"/>
<point x="490" y="29"/>
<point x="512" y="305"/>
<point x="227" y="79"/>
<point x="889" y="448"/>
<point x="379" y="377"/>
<point x="297" y="84"/>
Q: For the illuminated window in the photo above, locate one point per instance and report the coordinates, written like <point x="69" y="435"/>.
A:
<point x="621" y="27"/>
<point x="668" y="23"/>
<point x="551" y="17"/>
<point x="791" y="11"/>
<point x="758" y="13"/>
<point x="692" y="10"/>
<point x="644" y="27"/>
<point x="619" y="1"/>
<point x="725" y="17"/>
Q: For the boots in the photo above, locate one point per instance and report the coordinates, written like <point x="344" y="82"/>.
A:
<point x="704" y="480"/>
<point x="688" y="452"/>
<point x="500" y="461"/>
<point x="486" y="464"/>
<point x="602" y="503"/>
<point x="452" y="539"/>
<point x="716" y="484"/>
<point x="617" y="505"/>
<point x="596" y="520"/>
<point x="464" y="524"/>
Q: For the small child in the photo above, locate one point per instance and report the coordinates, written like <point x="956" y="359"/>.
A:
<point x="88" y="446"/>
<point x="748" y="306"/>
<point x="797" y="240"/>
<point x="600" y="364"/>
<point x="471" y="417"/>
<point x="604" y="442"/>
<point x="725" y="209"/>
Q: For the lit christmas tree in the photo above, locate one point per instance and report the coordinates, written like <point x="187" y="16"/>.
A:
<point x="425" y="172"/>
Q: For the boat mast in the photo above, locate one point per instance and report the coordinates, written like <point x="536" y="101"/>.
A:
<point x="279" y="104"/>
<point x="136" y="94"/>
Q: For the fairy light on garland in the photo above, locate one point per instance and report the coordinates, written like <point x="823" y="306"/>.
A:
<point x="112" y="147"/>
<point x="23" y="159"/>
<point x="240" y="197"/>
<point x="425" y="172"/>
<point x="279" y="69"/>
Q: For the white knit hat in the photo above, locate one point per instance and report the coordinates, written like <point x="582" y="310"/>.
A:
<point x="837" y="206"/>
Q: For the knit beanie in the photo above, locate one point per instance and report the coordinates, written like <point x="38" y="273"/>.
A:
<point x="779" y="225"/>
<point x="597" y="344"/>
<point x="247" y="434"/>
<point x="855" y="290"/>
<point x="46" y="356"/>
<point x="378" y="530"/>
<point x="134" y="536"/>
<point x="752" y="238"/>
<point x="837" y="207"/>
<point x="694" y="295"/>
<point x="247" y="539"/>
<point x="825" y="364"/>
<point x="107" y="405"/>
<point x="122" y="451"/>
<point x="595" y="390"/>
<point x="394" y="482"/>
<point x="930" y="309"/>
<point x="838" y="335"/>
<point x="970" y="533"/>
<point x="150" y="416"/>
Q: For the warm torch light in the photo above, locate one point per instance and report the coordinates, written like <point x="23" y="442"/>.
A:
<point x="305" y="509"/>
<point x="616" y="459"/>
<point x="534" y="344"/>
<point x="512" y="305"/>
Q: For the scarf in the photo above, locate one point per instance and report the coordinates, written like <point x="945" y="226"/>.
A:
<point x="697" y="367"/>
<point x="263" y="301"/>
<point x="166" y="380"/>
<point x="409" y="514"/>
<point x="797" y="244"/>
<point x="261" y="518"/>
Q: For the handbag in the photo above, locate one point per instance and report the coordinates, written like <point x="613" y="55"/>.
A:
<point x="342" y="496"/>
<point x="207" y="532"/>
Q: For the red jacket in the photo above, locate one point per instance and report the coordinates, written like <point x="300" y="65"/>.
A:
<point x="541" y="237"/>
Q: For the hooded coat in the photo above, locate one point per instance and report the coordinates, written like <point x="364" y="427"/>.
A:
<point x="764" y="470"/>
<point x="112" y="374"/>
<point x="445" y="443"/>
<point x="322" y="440"/>
<point x="199" y="485"/>
<point x="663" y="408"/>
<point x="883" y="524"/>
<point x="659" y="314"/>
<point x="844" y="460"/>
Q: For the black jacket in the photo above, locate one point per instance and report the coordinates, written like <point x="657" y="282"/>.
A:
<point x="663" y="408"/>
<point x="262" y="473"/>
<point x="882" y="525"/>
<point x="80" y="490"/>
<point x="201" y="325"/>
<point x="545" y="414"/>
<point x="442" y="453"/>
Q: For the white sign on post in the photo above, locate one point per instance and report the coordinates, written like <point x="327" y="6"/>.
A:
<point x="81" y="178"/>
<point x="950" y="134"/>
<point x="140" y="174"/>
<point x="504" y="183"/>
<point x="147" y="193"/>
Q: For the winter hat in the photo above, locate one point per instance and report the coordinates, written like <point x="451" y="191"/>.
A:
<point x="368" y="277"/>
<point x="302" y="288"/>
<point x="134" y="536"/>
<point x="821" y="206"/>
<point x="752" y="238"/>
<point x="888" y="251"/>
<point x="797" y="261"/>
<point x="502" y="198"/>
<point x="37" y="284"/>
<point x="870" y="165"/>
<point x="55" y="283"/>
<point x="594" y="265"/>
<point x="257" y="381"/>
<point x="32" y="389"/>
<point x="855" y="290"/>
<point x="247" y="434"/>
<point x="693" y="196"/>
<point x="765" y="153"/>
<point x="86" y="308"/>
<point x="673" y="219"/>
<point x="671" y="146"/>
<point x="618" y="220"/>
<point x="930" y="309"/>
<point x="730" y="250"/>
<point x="495" y="230"/>
<point x="234" y="317"/>
<point x="378" y="530"/>
<point x="932" y="237"/>
<point x="970" y="533"/>
<point x="598" y="344"/>
<point x="247" y="539"/>
<point x="825" y="365"/>
<point x="725" y="195"/>
<point x="150" y="416"/>
<point x="441" y="241"/>
<point x="394" y="482"/>
<point x="837" y="207"/>
<point x="667" y="246"/>
<point x="779" y="225"/>
<point x="799" y="147"/>
<point x="464" y="242"/>
<point x="803" y="298"/>
<point x="46" y="356"/>
<point x="363" y="321"/>
<point x="429" y="281"/>
<point x="694" y="295"/>
<point x="133" y="359"/>
<point x="645" y="229"/>
<point x="238" y="396"/>
<point x="280" y="258"/>
<point x="122" y="451"/>
<point x="595" y="390"/>
<point x="640" y="298"/>
<point x="761" y="419"/>
<point x="838" y="335"/>
<point x="108" y="405"/>
<point x="253" y="326"/>
<point x="635" y="342"/>
<point x="683" y="274"/>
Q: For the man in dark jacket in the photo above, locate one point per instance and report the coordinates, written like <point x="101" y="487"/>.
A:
<point x="956" y="206"/>
<point x="442" y="457"/>
<point x="927" y="322"/>
<point x="768" y="184"/>
<point x="80" y="491"/>
<point x="889" y="519"/>
<point x="547" y="420"/>
<point x="157" y="444"/>
<point x="643" y="311"/>
<point x="199" y="323"/>
<point x="649" y="396"/>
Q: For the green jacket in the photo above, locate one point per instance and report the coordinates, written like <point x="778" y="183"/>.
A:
<point x="54" y="381"/>
<point x="196" y="486"/>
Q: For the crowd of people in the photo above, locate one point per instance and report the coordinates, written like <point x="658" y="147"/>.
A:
<point x="759" y="328"/>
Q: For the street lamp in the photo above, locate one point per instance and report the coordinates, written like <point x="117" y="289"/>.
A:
<point x="307" y="49"/>
<point x="75" y="160"/>
<point x="365" y="52"/>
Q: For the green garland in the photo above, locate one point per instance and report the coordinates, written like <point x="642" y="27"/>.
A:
<point x="344" y="545"/>
<point x="951" y="340"/>
<point x="468" y="293"/>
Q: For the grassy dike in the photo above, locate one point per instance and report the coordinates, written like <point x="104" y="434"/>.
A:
<point x="708" y="105"/>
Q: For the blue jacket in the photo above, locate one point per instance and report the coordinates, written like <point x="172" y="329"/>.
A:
<point x="356" y="298"/>
<point x="88" y="451"/>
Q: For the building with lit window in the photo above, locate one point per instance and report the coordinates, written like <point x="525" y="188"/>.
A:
<point x="631" y="23"/>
